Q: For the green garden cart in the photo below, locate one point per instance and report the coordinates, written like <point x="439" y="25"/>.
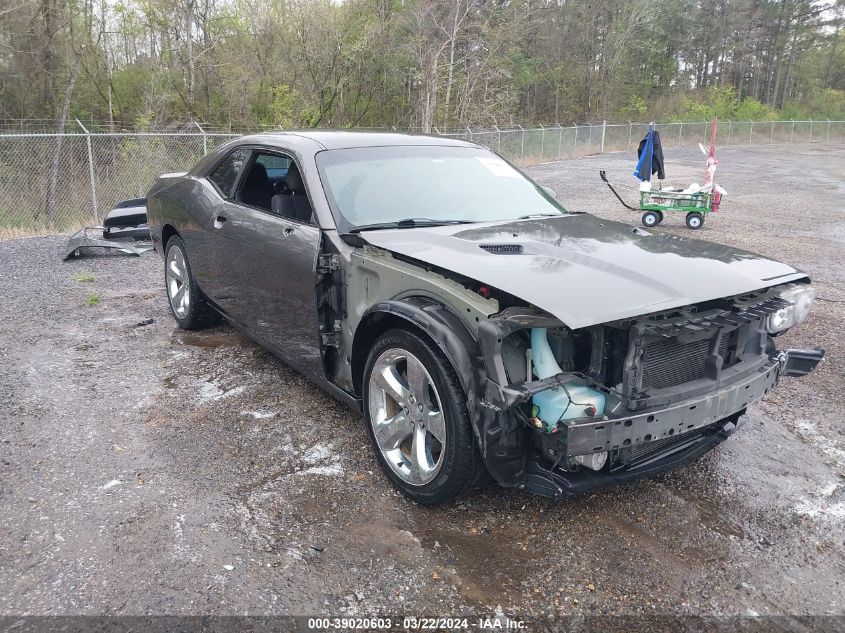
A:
<point x="696" y="201"/>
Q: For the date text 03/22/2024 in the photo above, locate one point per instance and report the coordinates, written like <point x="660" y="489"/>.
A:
<point x="499" y="622"/>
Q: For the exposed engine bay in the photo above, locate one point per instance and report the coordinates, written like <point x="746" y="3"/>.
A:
<point x="621" y="395"/>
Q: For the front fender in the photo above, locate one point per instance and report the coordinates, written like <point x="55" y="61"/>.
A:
<point x="447" y="330"/>
<point x="503" y="443"/>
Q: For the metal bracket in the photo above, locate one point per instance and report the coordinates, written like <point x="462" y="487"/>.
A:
<point x="331" y="338"/>
<point x="327" y="263"/>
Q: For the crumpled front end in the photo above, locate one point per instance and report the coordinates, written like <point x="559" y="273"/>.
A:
<point x="565" y="411"/>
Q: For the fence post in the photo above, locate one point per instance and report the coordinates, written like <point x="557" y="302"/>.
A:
<point x="91" y="172"/>
<point x="730" y="130"/>
<point x="811" y="130"/>
<point x="559" y="139"/>
<point x="603" y="131"/>
<point x="498" y="139"/>
<point x="204" y="139"/>
<point x="630" y="134"/>
<point x="542" y="141"/>
<point x="680" y="133"/>
<point x="772" y="133"/>
<point x="470" y="133"/>
<point x="792" y="132"/>
<point x="828" y="130"/>
<point x="522" y="146"/>
<point x="589" y="138"/>
<point x="575" y="145"/>
<point x="750" y="131"/>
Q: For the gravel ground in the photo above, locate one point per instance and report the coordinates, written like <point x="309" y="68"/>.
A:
<point x="149" y="470"/>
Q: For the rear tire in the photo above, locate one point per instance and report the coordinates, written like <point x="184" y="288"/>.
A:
<point x="695" y="220"/>
<point x="418" y="422"/>
<point x="188" y="306"/>
<point x="651" y="219"/>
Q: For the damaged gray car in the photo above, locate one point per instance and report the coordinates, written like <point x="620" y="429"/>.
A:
<point x="478" y="325"/>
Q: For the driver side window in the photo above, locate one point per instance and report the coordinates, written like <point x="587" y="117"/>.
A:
<point x="273" y="183"/>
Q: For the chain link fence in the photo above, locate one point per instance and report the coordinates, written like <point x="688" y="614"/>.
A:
<point x="58" y="183"/>
<point x="528" y="146"/>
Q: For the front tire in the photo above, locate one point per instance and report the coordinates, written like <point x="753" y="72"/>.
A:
<point x="187" y="304"/>
<point x="417" y="418"/>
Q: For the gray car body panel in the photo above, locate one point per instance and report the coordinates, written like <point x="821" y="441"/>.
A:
<point x="585" y="270"/>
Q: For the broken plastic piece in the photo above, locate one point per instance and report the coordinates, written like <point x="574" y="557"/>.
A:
<point x="83" y="240"/>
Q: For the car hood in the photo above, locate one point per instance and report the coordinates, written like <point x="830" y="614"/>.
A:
<point x="585" y="270"/>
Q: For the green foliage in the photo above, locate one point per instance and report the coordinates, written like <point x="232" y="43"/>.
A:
<point x="636" y="107"/>
<point x="380" y="63"/>
<point x="724" y="104"/>
<point x="822" y="104"/>
<point x="524" y="71"/>
<point x="86" y="278"/>
<point x="284" y="105"/>
<point x="92" y="300"/>
<point x="752" y="110"/>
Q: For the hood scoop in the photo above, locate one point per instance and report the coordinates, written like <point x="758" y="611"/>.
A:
<point x="502" y="249"/>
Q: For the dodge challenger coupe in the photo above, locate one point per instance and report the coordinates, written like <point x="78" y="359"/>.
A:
<point x="478" y="325"/>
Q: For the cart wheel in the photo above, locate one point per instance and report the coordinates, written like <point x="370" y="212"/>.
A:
<point x="695" y="220"/>
<point x="651" y="218"/>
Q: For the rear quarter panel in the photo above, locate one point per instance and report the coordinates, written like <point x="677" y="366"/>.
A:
<point x="184" y="203"/>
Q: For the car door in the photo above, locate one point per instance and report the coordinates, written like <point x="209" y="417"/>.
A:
<point x="214" y="191"/>
<point x="265" y="264"/>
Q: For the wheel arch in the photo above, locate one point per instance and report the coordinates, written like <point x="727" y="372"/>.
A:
<point x="168" y="231"/>
<point x="432" y="321"/>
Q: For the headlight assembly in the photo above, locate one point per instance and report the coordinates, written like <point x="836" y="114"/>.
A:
<point x="801" y="297"/>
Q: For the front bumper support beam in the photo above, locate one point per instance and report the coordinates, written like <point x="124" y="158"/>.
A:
<point x="594" y="436"/>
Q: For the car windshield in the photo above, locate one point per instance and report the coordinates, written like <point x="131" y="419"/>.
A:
<point x="374" y="187"/>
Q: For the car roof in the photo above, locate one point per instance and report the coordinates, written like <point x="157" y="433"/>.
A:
<point x="344" y="139"/>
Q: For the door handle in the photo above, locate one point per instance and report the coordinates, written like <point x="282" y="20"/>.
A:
<point x="288" y="231"/>
<point x="218" y="222"/>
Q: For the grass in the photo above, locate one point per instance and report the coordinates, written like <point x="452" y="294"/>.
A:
<point x="85" y="278"/>
<point x="92" y="300"/>
<point x="18" y="232"/>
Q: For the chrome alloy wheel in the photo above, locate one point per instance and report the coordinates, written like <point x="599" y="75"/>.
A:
<point x="178" y="284"/>
<point x="406" y="416"/>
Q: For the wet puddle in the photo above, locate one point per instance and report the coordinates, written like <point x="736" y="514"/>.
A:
<point x="491" y="564"/>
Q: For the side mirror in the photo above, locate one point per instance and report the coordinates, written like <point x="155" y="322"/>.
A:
<point x="550" y="191"/>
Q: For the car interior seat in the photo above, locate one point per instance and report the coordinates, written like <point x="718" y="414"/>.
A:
<point x="257" y="190"/>
<point x="293" y="204"/>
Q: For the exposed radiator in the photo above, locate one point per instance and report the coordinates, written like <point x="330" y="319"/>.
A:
<point x="667" y="363"/>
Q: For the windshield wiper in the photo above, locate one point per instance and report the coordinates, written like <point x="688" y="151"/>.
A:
<point x="407" y="223"/>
